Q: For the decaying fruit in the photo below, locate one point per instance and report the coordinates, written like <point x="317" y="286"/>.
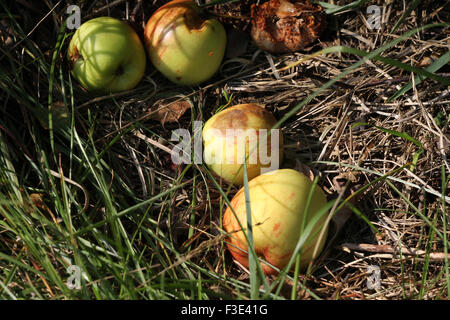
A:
<point x="183" y="45"/>
<point x="277" y="200"/>
<point x="282" y="26"/>
<point x="242" y="130"/>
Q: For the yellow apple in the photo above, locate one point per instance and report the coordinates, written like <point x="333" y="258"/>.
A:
<point x="186" y="48"/>
<point x="277" y="202"/>
<point x="238" y="131"/>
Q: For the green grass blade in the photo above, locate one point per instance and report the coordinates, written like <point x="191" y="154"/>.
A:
<point x="402" y="135"/>
<point x="225" y="197"/>
<point x="252" y="257"/>
<point x="435" y="66"/>
<point x="416" y="210"/>
<point x="408" y="11"/>
<point x="334" y="9"/>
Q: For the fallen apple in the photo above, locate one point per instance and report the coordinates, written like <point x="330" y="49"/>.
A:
<point x="186" y="48"/>
<point x="106" y="55"/>
<point x="238" y="131"/>
<point x="277" y="201"/>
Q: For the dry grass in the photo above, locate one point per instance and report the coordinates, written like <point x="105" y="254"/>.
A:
<point x="320" y="135"/>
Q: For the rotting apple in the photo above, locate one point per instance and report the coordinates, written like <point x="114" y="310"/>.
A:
<point x="277" y="201"/>
<point x="106" y="55"/>
<point x="283" y="26"/>
<point x="185" y="47"/>
<point x="238" y="131"/>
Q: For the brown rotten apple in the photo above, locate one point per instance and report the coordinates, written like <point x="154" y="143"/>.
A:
<point x="282" y="26"/>
<point x="277" y="201"/>
<point x="182" y="45"/>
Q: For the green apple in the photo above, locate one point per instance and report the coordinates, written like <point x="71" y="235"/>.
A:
<point x="277" y="202"/>
<point x="186" y="48"/>
<point x="238" y="130"/>
<point x="106" y="55"/>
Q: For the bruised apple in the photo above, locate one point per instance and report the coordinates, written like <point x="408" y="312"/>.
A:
<point x="242" y="131"/>
<point x="106" y="55"/>
<point x="277" y="201"/>
<point x="183" y="45"/>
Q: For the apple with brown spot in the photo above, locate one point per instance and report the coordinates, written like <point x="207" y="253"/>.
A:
<point x="182" y="44"/>
<point x="277" y="201"/>
<point x="238" y="131"/>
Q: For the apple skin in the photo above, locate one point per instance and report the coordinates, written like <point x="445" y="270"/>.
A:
<point x="183" y="46"/>
<point x="106" y="55"/>
<point x="245" y="117"/>
<point x="277" y="201"/>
